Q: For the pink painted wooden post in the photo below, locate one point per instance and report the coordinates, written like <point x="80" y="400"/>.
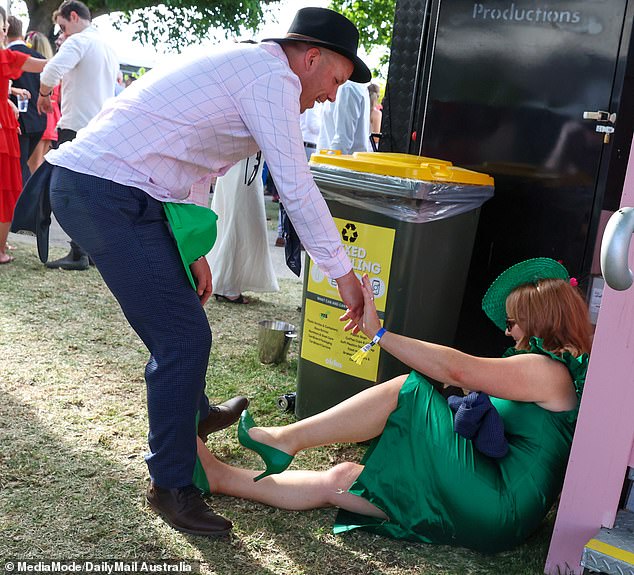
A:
<point x="603" y="443"/>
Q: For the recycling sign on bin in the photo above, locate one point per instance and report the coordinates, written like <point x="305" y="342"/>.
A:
<point x="323" y="340"/>
<point x="349" y="233"/>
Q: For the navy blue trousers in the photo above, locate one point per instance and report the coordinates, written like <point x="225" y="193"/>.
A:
<point x="125" y="232"/>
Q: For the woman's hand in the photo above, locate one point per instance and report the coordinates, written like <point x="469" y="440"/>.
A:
<point x="15" y="110"/>
<point x="20" y="93"/>
<point x="370" y="322"/>
<point x="202" y="276"/>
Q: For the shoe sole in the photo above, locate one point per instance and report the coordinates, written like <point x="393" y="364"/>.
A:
<point x="183" y="529"/>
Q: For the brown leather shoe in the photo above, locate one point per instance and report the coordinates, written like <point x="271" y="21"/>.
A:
<point x="222" y="416"/>
<point x="185" y="510"/>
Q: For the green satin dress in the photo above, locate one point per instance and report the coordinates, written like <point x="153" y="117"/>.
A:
<point x="437" y="488"/>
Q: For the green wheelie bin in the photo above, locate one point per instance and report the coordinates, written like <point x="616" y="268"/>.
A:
<point x="409" y="222"/>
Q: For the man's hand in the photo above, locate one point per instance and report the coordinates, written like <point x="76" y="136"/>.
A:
<point x="352" y="295"/>
<point x="44" y="105"/>
<point x="202" y="276"/>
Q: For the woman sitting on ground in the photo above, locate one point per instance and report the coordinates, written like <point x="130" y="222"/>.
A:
<point x="420" y="480"/>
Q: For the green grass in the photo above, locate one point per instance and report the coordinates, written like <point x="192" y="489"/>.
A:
<point x="73" y="433"/>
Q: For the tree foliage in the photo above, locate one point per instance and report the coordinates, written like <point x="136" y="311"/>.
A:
<point x="177" y="23"/>
<point x="174" y="22"/>
<point x="373" y="18"/>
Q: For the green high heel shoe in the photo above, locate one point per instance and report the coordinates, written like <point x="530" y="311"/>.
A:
<point x="276" y="461"/>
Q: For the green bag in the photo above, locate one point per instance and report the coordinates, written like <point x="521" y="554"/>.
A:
<point x="194" y="230"/>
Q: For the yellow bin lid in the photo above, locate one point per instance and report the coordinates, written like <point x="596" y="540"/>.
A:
<point x="401" y="166"/>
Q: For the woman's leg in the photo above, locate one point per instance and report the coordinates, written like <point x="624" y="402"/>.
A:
<point x="359" y="418"/>
<point x="37" y="157"/>
<point x="294" y="490"/>
<point x="4" y="234"/>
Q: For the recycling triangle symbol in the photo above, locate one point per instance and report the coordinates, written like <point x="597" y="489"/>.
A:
<point x="349" y="233"/>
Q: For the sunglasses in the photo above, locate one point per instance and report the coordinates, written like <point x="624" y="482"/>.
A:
<point x="510" y="324"/>
<point x="248" y="179"/>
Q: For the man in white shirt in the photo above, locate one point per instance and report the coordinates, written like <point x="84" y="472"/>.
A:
<point x="345" y="124"/>
<point x="199" y="115"/>
<point x="88" y="66"/>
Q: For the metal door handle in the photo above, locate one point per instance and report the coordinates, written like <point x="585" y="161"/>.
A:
<point x="615" y="248"/>
<point x="600" y="116"/>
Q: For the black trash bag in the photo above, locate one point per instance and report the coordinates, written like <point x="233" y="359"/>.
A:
<point x="292" y="245"/>
<point x="33" y="209"/>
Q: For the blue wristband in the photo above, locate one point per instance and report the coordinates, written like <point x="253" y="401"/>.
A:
<point x="378" y="336"/>
<point x="359" y="356"/>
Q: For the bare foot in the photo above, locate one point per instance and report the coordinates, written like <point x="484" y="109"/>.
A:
<point x="5" y="259"/>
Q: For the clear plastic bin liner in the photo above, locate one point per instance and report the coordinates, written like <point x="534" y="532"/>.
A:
<point x="414" y="201"/>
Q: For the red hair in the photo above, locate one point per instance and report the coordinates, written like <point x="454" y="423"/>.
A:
<point x="554" y="311"/>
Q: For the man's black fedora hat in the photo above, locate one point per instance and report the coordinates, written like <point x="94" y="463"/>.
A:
<point x="329" y="29"/>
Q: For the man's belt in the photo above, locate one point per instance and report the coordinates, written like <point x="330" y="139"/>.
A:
<point x="310" y="145"/>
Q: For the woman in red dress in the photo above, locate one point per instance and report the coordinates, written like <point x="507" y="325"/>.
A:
<point x="12" y="64"/>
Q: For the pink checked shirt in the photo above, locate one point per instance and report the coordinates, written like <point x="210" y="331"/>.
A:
<point x="199" y="115"/>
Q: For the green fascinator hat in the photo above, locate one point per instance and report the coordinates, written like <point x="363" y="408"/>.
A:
<point x="194" y="230"/>
<point x="526" y="272"/>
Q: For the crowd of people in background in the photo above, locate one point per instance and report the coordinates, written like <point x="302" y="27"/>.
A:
<point x="46" y="104"/>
